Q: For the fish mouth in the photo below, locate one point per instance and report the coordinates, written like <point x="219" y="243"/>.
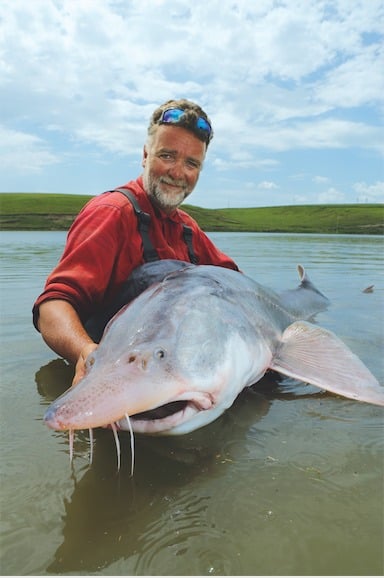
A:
<point x="161" y="412"/>
<point x="168" y="416"/>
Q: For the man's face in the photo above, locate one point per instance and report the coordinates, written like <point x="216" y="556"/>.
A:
<point x="172" y="163"/>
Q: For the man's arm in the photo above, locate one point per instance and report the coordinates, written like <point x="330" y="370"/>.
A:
<point x="63" y="332"/>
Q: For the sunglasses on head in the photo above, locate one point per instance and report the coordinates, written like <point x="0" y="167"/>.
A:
<point x="174" y="115"/>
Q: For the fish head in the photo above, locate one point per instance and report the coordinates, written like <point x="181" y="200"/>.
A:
<point x="172" y="361"/>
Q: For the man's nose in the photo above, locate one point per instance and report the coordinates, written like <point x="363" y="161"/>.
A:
<point x="177" y="170"/>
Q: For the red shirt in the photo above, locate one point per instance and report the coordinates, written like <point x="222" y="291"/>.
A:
<point x="104" y="246"/>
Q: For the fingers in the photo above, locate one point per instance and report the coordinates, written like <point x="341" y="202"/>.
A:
<point x="80" y="368"/>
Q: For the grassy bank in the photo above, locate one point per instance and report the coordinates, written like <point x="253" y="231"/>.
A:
<point x="34" y="211"/>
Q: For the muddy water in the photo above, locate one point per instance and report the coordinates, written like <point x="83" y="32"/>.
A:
<point x="289" y="481"/>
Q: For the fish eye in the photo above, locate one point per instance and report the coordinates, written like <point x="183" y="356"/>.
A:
<point x="159" y="353"/>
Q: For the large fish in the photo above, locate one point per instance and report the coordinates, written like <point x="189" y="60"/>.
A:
<point x="176" y="357"/>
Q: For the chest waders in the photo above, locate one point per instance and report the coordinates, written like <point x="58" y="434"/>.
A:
<point x="137" y="282"/>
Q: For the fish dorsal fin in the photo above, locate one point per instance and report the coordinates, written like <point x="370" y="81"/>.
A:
<point x="315" y="355"/>
<point x="304" y="301"/>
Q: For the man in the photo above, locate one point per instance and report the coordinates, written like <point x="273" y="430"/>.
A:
<point x="105" y="243"/>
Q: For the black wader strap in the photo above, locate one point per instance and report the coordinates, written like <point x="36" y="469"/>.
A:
<point x="149" y="252"/>
<point x="187" y="236"/>
<point x="144" y="219"/>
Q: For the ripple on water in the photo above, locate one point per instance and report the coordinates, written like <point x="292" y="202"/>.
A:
<point x="184" y="533"/>
<point x="372" y="438"/>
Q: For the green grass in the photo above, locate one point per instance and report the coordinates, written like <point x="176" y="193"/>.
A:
<point x="354" y="218"/>
<point x="43" y="211"/>
<point x="39" y="211"/>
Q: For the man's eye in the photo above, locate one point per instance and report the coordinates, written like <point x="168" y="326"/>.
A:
<point x="193" y="164"/>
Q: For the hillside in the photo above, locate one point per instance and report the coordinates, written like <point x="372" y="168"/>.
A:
<point x="43" y="211"/>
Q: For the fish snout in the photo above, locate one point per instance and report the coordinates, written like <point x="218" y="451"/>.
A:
<point x="52" y="419"/>
<point x="127" y="385"/>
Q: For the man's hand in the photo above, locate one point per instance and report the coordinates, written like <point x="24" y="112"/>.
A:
<point x="80" y="364"/>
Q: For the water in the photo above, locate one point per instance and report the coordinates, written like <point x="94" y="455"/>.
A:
<point x="289" y="481"/>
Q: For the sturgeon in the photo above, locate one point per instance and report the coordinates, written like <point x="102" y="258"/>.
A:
<point x="176" y="357"/>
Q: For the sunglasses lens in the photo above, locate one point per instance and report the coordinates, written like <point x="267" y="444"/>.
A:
<point x="172" y="115"/>
<point x="202" y="124"/>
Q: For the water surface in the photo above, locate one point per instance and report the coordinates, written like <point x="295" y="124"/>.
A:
<point x="289" y="481"/>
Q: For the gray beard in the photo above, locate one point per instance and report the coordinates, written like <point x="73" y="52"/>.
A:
<point x="166" y="201"/>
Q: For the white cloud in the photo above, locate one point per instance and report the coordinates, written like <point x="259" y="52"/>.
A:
<point x="241" y="159"/>
<point x="370" y="193"/>
<point x="25" y="152"/>
<point x="267" y="185"/>
<point x="275" y="77"/>
<point x="327" y="133"/>
<point x="358" y="81"/>
<point x="331" y="195"/>
<point x="320" y="180"/>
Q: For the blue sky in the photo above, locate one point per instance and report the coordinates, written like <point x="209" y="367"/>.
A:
<point x="294" y="89"/>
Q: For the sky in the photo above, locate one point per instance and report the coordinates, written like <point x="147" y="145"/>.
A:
<point x="294" y="90"/>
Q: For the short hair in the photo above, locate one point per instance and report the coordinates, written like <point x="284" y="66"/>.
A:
<point x="188" y="120"/>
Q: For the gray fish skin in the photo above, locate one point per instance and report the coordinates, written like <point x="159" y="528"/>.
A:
<point x="200" y="336"/>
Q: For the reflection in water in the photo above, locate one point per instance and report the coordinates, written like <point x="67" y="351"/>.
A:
<point x="112" y="516"/>
<point x="53" y="379"/>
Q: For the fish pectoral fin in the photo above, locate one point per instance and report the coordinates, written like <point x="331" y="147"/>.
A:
<point x="317" y="356"/>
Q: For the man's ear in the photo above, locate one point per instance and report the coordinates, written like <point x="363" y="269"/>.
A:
<point x="145" y="155"/>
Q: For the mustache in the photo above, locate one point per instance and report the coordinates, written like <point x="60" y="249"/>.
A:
<point x="174" y="182"/>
